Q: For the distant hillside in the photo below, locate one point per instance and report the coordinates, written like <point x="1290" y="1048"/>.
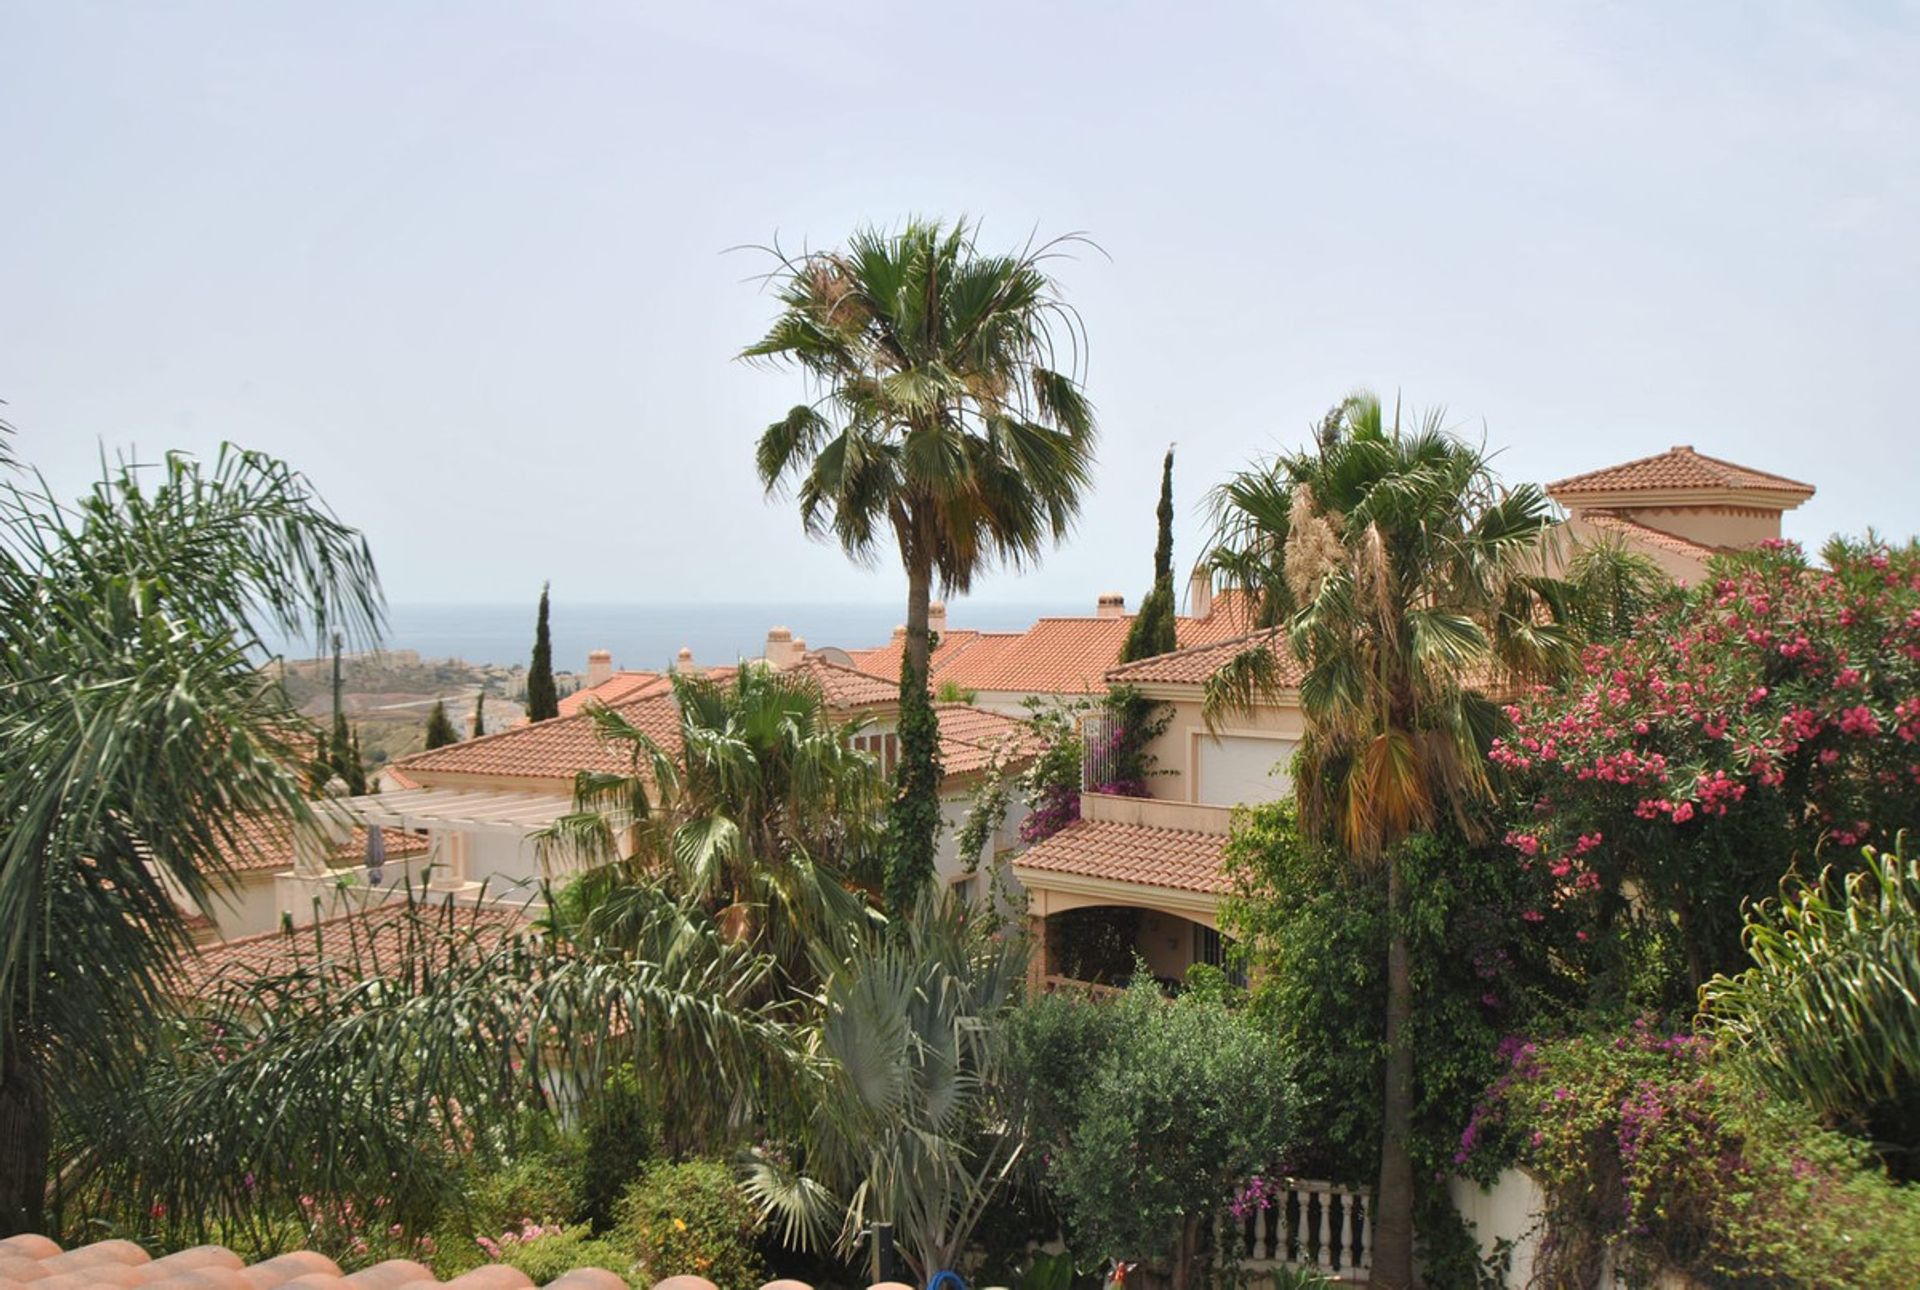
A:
<point x="387" y="696"/>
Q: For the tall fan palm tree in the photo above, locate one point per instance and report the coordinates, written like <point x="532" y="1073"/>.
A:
<point x="947" y="413"/>
<point x="754" y="816"/>
<point x="1407" y="582"/>
<point x="135" y="728"/>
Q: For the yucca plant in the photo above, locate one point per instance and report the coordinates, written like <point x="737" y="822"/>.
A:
<point x="1830" y="1010"/>
<point x="901" y="1125"/>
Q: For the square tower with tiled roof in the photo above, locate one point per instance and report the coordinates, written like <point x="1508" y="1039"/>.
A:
<point x="1705" y="504"/>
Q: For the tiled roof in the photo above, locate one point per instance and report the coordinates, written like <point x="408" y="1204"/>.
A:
<point x="556" y="749"/>
<point x="371" y="935"/>
<point x="1133" y="853"/>
<point x="883" y="661"/>
<point x="970" y="736"/>
<point x="842" y="687"/>
<point x="846" y="688"/>
<point x="1634" y="531"/>
<point x="38" y="1261"/>
<point x="1055" y="656"/>
<point x="1679" y="469"/>
<point x="616" y="689"/>
<point x="261" y="842"/>
<point x="1194" y="665"/>
<point x="566" y="745"/>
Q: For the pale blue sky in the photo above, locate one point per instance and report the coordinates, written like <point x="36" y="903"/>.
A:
<point x="463" y="262"/>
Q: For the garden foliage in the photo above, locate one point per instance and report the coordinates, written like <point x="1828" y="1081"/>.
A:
<point x="1152" y="1115"/>
<point x="1652" y="1153"/>
<point x="1774" y="708"/>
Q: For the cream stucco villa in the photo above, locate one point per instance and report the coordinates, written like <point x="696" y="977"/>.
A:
<point x="1144" y="876"/>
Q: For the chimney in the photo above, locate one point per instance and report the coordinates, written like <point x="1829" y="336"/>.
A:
<point x="683" y="662"/>
<point x="1111" y="605"/>
<point x="782" y="649"/>
<point x="1200" y="594"/>
<point x="937" y="617"/>
<point x="599" y="666"/>
<point x="899" y="631"/>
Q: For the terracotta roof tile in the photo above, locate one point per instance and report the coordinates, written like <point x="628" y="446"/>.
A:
<point x="1194" y="665"/>
<point x="619" y="688"/>
<point x="883" y="661"/>
<point x="549" y="750"/>
<point x="1634" y="531"/>
<point x="970" y="737"/>
<point x="374" y="934"/>
<point x="1132" y="853"/>
<point x="1057" y="655"/>
<point x="561" y="748"/>
<point x="846" y="688"/>
<point x="1679" y="469"/>
<point x="262" y="842"/>
<point x="36" y="1260"/>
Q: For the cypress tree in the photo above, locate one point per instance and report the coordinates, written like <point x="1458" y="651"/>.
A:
<point x="345" y="745"/>
<point x="440" y="731"/>
<point x="1153" y="629"/>
<point x="480" y="714"/>
<point x="543" y="701"/>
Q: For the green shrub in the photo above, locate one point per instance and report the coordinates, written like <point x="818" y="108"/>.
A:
<point x="553" y="1252"/>
<point x="691" y="1218"/>
<point x="1648" y="1147"/>
<point x="619" y="1133"/>
<point x="1168" y="1123"/>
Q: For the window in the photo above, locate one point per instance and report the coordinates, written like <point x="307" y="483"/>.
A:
<point x="883" y="748"/>
<point x="1211" y="948"/>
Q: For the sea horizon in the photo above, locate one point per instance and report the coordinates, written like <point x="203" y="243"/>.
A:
<point x="644" y="635"/>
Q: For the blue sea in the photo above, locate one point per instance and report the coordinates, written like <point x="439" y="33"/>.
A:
<point x="649" y="636"/>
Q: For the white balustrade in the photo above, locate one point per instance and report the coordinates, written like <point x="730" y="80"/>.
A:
<point x="1310" y="1224"/>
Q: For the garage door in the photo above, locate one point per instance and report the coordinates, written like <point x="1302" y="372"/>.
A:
<point x="1237" y="768"/>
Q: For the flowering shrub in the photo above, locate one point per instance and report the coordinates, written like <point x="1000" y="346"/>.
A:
<point x="1649" y="1150"/>
<point x="1116" y="757"/>
<point x="1772" y="709"/>
<point x="691" y="1219"/>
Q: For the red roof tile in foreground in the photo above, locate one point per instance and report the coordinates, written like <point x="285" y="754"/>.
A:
<point x="1195" y="665"/>
<point x="1678" y="469"/>
<point x="38" y="1261"/>
<point x="1139" y="854"/>
<point x="971" y="737"/>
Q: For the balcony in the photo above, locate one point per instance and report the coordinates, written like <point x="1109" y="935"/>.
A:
<point x="1154" y="812"/>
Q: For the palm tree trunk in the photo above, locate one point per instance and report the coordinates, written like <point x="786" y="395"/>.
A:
<point x="913" y="821"/>
<point x="25" y="1139"/>
<point x="1393" y="1199"/>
